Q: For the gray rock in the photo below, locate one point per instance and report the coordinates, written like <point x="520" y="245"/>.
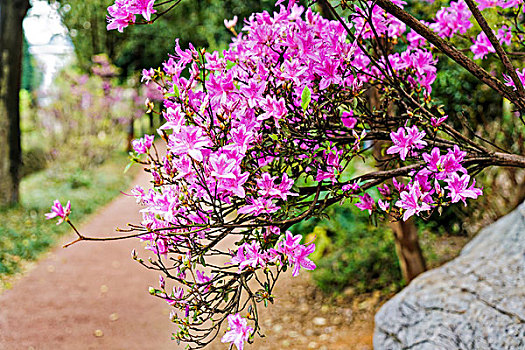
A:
<point x="476" y="301"/>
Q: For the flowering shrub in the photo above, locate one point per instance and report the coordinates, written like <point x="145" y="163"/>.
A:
<point x="87" y="116"/>
<point x="258" y="138"/>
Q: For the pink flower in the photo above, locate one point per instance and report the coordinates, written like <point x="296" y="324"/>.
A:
<point x="296" y="253"/>
<point x="460" y="190"/>
<point x="411" y="201"/>
<point x="142" y="145"/>
<point x="366" y="202"/>
<point x="147" y="76"/>
<point x="249" y="255"/>
<point x="453" y="19"/>
<point x="406" y="142"/>
<point x="510" y="82"/>
<point x="203" y="281"/>
<point x="230" y="24"/>
<point x="58" y="211"/>
<point x="384" y="206"/>
<point x="505" y="35"/>
<point x="239" y="331"/>
<point x="482" y="46"/>
<point x="437" y="122"/>
<point x="348" y="120"/>
<point x="191" y="141"/>
<point x="123" y="12"/>
<point x="258" y="206"/>
<point x="485" y="4"/>
<point x="354" y="187"/>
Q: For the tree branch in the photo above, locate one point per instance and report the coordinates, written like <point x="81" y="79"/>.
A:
<point x="495" y="43"/>
<point x="451" y="52"/>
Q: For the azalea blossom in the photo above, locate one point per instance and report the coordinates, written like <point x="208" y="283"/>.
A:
<point x="57" y="210"/>
<point x="238" y="332"/>
<point x="406" y="142"/>
<point x="460" y="190"/>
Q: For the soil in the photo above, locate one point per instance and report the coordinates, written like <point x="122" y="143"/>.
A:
<point x="92" y="295"/>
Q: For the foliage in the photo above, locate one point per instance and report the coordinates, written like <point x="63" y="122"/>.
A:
<point x="86" y="120"/>
<point x="355" y="253"/>
<point x="31" y="75"/>
<point x="199" y="22"/>
<point x="24" y="231"/>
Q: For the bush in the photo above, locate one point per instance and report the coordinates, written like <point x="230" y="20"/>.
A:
<point x="351" y="252"/>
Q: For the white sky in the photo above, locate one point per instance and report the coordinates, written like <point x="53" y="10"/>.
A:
<point x="48" y="41"/>
<point x="42" y="22"/>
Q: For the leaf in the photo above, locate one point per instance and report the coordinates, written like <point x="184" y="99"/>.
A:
<point x="306" y="97"/>
<point x="230" y="65"/>
<point x="128" y="166"/>
<point x="175" y="92"/>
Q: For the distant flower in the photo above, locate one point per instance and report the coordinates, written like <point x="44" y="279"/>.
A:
<point x="57" y="210"/>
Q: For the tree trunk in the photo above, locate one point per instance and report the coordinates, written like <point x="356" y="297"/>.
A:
<point x="12" y="12"/>
<point x="408" y="250"/>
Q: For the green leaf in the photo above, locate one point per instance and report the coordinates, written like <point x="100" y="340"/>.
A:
<point x="306" y="97"/>
<point x="230" y="65"/>
<point x="175" y="92"/>
<point x="128" y="166"/>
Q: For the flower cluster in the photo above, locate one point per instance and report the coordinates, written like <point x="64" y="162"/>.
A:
<point x="452" y="20"/>
<point x="441" y="177"/>
<point x="123" y="12"/>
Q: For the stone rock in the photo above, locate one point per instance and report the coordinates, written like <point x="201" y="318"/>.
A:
<point x="476" y="301"/>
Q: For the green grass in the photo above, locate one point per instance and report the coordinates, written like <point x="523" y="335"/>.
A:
<point x="24" y="231"/>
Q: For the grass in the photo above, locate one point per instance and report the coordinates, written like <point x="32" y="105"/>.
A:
<point x="25" y="233"/>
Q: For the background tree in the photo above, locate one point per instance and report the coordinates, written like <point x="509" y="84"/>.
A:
<point x="12" y="12"/>
<point x="200" y="22"/>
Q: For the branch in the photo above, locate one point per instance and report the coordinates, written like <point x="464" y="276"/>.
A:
<point x="451" y="52"/>
<point x="495" y="43"/>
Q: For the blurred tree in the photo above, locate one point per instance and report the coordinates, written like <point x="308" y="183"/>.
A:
<point x="12" y="12"/>
<point x="199" y="22"/>
<point x="31" y="75"/>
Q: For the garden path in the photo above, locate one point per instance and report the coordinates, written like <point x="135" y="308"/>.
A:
<point x="94" y="296"/>
<point x="90" y="295"/>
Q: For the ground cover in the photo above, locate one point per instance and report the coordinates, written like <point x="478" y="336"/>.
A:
<point x="26" y="233"/>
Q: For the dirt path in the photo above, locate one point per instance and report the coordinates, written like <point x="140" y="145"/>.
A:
<point x="94" y="296"/>
<point x="88" y="296"/>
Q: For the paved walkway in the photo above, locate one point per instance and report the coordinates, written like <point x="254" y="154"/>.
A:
<point x="91" y="295"/>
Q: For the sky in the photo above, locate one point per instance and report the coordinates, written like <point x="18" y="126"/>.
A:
<point x="48" y="41"/>
<point x="42" y="23"/>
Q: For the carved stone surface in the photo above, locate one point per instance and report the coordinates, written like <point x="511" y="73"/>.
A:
<point x="476" y="301"/>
